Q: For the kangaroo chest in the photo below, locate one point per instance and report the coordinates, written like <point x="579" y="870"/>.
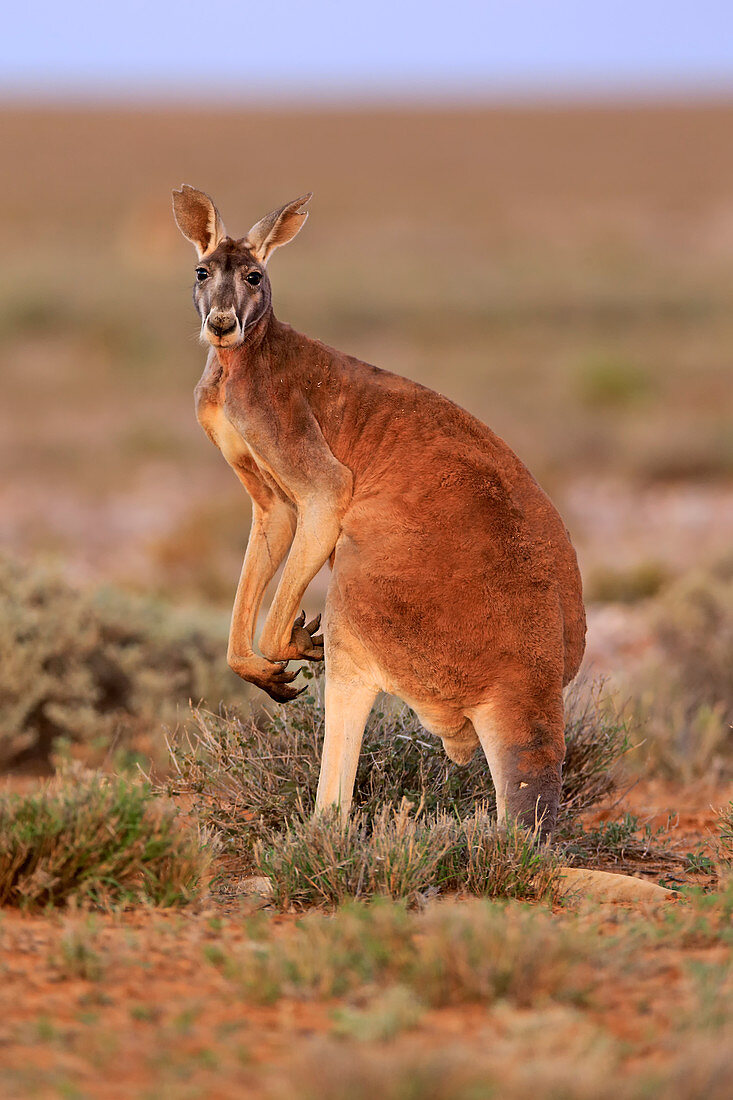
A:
<point x="237" y="452"/>
<point x="220" y="430"/>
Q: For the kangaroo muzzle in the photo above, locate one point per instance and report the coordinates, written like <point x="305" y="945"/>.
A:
<point x="222" y="328"/>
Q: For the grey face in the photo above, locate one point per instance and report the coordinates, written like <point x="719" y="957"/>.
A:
<point x="231" y="293"/>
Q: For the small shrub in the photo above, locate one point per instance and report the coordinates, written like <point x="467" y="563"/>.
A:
<point x="694" y="628"/>
<point x="248" y="775"/>
<point x="596" y="740"/>
<point x="322" y="861"/>
<point x="507" y="862"/>
<point x="478" y="952"/>
<point x="98" y="669"/>
<point x="357" y="948"/>
<point x="97" y="840"/>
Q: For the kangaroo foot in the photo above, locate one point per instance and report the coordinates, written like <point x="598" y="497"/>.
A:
<point x="271" y="676"/>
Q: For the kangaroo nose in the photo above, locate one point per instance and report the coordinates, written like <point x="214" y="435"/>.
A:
<point x="222" y="323"/>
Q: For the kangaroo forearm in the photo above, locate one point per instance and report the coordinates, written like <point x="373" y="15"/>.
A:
<point x="267" y="546"/>
<point x="313" y="544"/>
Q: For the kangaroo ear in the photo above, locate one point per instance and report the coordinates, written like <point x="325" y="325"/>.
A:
<point x="277" y="228"/>
<point x="198" y="219"/>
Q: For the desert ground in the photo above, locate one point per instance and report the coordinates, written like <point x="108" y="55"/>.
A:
<point x="566" y="274"/>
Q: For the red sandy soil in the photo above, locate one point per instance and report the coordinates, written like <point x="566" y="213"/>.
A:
<point x="162" y="1020"/>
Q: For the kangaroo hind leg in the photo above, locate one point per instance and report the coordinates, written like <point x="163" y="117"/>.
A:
<point x="348" y="703"/>
<point x="524" y="743"/>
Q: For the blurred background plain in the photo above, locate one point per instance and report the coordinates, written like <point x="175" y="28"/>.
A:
<point x="528" y="207"/>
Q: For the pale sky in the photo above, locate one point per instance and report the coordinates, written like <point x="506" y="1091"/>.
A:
<point x="279" y="48"/>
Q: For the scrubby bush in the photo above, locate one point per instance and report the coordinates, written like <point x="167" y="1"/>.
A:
<point x="99" y="668"/>
<point x="98" y="840"/>
<point x="685" y="690"/>
<point x="253" y="781"/>
<point x="250" y="775"/>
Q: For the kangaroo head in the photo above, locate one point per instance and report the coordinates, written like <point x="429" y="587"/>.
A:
<point x="232" y="290"/>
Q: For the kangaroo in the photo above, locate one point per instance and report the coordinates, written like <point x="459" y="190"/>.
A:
<point x="454" y="584"/>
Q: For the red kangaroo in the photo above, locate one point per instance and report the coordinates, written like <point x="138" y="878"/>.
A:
<point x="454" y="585"/>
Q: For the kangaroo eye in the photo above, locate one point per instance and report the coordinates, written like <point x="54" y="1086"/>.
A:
<point x="201" y="274"/>
<point x="254" y="278"/>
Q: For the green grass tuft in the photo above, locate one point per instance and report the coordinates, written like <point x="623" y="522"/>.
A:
<point x="95" y="840"/>
<point x="400" y="855"/>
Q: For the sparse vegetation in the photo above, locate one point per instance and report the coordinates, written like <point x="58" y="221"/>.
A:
<point x="625" y="844"/>
<point x="101" y="841"/>
<point x="78" y="955"/>
<point x="458" y="998"/>
<point x="450" y="954"/>
<point x="385" y="1016"/>
<point x="99" y="671"/>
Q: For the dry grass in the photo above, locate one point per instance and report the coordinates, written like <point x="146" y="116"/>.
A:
<point x="420" y="822"/>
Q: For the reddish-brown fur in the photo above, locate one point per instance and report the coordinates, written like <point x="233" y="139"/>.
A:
<point x="454" y="582"/>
